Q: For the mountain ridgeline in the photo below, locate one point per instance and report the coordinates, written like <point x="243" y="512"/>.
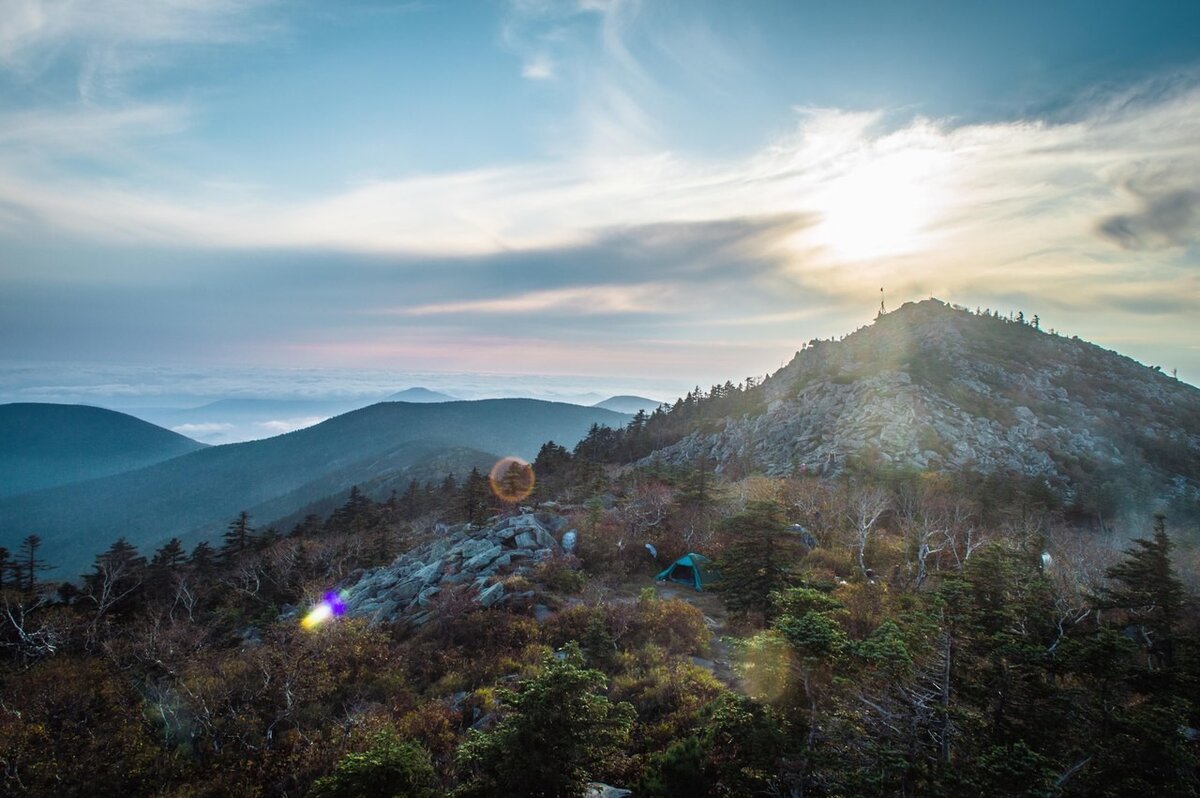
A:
<point x="44" y="445"/>
<point x="194" y="496"/>
<point x="936" y="387"/>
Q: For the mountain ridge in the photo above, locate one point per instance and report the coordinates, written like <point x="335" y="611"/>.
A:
<point x="935" y="387"/>
<point x="44" y="445"/>
<point x="194" y="496"/>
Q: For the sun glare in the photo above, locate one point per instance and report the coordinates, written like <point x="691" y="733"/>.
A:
<point x="880" y="207"/>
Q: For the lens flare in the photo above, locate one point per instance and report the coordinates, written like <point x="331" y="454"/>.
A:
<point x="511" y="479"/>
<point x="331" y="606"/>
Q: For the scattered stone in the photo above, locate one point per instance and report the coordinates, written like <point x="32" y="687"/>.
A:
<point x="598" y="790"/>
<point x="404" y="590"/>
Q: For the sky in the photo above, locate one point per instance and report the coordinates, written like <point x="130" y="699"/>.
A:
<point x="674" y="193"/>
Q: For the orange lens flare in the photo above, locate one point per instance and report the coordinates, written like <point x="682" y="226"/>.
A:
<point x="511" y="479"/>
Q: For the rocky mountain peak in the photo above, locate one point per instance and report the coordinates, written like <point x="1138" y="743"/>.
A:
<point x="938" y="387"/>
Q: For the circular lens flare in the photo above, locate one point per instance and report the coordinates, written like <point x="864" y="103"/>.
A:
<point x="511" y="479"/>
<point x="329" y="607"/>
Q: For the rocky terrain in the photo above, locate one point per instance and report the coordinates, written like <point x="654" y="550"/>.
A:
<point x="478" y="558"/>
<point x="933" y="386"/>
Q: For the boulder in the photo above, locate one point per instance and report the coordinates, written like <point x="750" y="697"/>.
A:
<point x="482" y="558"/>
<point x="406" y="591"/>
<point x="491" y="595"/>
<point x="599" y="790"/>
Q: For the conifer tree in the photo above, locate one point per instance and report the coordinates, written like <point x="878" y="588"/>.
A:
<point x="171" y="555"/>
<point x="239" y="536"/>
<point x="558" y="733"/>
<point x="203" y="558"/>
<point x="1146" y="588"/>
<point x="473" y="498"/>
<point x="29" y="564"/>
<point x="758" y="559"/>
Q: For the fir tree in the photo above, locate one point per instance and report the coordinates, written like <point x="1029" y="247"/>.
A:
<point x="239" y="536"/>
<point x="203" y="557"/>
<point x="758" y="559"/>
<point x="29" y="564"/>
<point x="558" y="732"/>
<point x="474" y="498"/>
<point x="171" y="555"/>
<point x="1146" y="588"/>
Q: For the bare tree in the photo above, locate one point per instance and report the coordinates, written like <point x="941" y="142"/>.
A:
<point x="867" y="506"/>
<point x="34" y="633"/>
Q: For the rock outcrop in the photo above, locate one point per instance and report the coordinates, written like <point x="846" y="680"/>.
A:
<point x="931" y="386"/>
<point x="477" y="558"/>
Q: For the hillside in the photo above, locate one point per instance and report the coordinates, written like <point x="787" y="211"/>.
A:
<point x="421" y="396"/>
<point x="194" y="496"/>
<point x="44" y="445"/>
<point x="930" y="386"/>
<point x="628" y="404"/>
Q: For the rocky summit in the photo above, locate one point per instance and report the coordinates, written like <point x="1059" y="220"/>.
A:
<point x="937" y="387"/>
<point x="462" y="555"/>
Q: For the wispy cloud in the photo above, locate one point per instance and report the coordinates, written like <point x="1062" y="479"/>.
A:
<point x="588" y="300"/>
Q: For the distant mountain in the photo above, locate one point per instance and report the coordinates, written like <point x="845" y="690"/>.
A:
<point x="420" y="396"/>
<point x="44" y="445"/>
<point x="934" y="387"/>
<point x="628" y="404"/>
<point x="194" y="496"/>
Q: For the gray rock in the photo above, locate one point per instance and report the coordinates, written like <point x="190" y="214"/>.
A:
<point x="483" y="558"/>
<point x="430" y="574"/>
<point x="406" y="590"/>
<point x="599" y="790"/>
<point x="491" y="595"/>
<point x="541" y="613"/>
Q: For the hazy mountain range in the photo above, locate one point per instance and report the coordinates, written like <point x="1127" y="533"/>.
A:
<point x="194" y="495"/>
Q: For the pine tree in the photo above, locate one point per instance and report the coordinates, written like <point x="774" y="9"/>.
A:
<point x="203" y="558"/>
<point x="171" y="555"/>
<point x="758" y="558"/>
<point x="29" y="565"/>
<point x="558" y="731"/>
<point x="474" y="498"/>
<point x="239" y="536"/>
<point x="1147" y="589"/>
<point x="410" y="502"/>
<point x="5" y="565"/>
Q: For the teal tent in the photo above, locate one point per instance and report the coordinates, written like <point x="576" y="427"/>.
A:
<point x="690" y="569"/>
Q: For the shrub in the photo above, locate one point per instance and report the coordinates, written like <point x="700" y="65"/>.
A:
<point x="390" y="768"/>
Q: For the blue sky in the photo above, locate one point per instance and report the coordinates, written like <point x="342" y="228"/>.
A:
<point x="675" y="190"/>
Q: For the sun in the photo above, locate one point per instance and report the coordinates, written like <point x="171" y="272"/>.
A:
<point x="879" y="207"/>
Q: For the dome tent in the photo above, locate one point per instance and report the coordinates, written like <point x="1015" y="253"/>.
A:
<point x="690" y="569"/>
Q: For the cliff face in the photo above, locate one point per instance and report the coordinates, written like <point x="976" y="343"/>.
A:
<point x="931" y="386"/>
